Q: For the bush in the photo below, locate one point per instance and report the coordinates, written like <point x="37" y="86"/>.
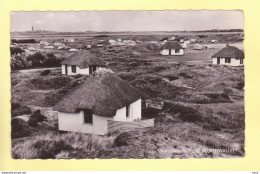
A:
<point x="35" y="118"/>
<point x="19" y="62"/>
<point x="18" y="109"/>
<point x="150" y="112"/>
<point x="48" y="149"/>
<point x="186" y="113"/>
<point x="171" y="77"/>
<point x="186" y="76"/>
<point x="121" y="140"/>
<point x="19" y="128"/>
<point x="16" y="50"/>
<point x="52" y="60"/>
<point x="37" y="59"/>
<point x="240" y="85"/>
<point x="45" y="72"/>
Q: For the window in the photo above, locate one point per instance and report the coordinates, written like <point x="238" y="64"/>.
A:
<point x="73" y="68"/>
<point x="88" y="118"/>
<point x="127" y="111"/>
<point x="227" y="60"/>
<point x="177" y="51"/>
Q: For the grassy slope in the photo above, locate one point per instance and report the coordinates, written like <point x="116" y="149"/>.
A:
<point x="212" y="94"/>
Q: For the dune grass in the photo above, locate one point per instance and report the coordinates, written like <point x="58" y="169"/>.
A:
<point x="51" y="145"/>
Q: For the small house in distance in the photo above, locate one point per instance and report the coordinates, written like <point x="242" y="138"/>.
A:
<point x="171" y="48"/>
<point x="99" y="105"/>
<point x="81" y="62"/>
<point x="229" y="55"/>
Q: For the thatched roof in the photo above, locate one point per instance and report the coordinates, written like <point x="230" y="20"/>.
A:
<point x="83" y="59"/>
<point x="103" y="95"/>
<point x="171" y="45"/>
<point x="231" y="52"/>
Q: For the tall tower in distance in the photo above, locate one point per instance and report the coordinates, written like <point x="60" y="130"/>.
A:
<point x="32" y="28"/>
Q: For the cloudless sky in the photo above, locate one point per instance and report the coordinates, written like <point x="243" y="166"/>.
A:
<point x="126" y="20"/>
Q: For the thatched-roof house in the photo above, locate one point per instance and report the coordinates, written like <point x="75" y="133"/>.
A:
<point x="171" y="48"/>
<point x="229" y="55"/>
<point x="97" y="100"/>
<point x="81" y="62"/>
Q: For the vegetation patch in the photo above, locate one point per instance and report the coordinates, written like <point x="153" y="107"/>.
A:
<point x="20" y="128"/>
<point x="18" y="109"/>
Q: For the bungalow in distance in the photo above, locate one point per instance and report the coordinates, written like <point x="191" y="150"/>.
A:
<point x="229" y="55"/>
<point x="172" y="48"/>
<point x="81" y="62"/>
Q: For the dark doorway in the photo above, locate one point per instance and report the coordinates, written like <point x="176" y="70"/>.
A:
<point x="218" y="60"/>
<point x="170" y="52"/>
<point x="66" y="69"/>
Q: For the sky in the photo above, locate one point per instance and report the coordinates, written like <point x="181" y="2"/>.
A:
<point x="73" y="21"/>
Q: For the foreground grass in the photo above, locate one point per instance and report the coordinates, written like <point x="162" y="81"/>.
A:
<point x="58" y="145"/>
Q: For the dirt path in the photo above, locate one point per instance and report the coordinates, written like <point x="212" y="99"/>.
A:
<point x="38" y="69"/>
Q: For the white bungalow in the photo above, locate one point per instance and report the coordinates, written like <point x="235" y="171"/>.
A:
<point x="229" y="55"/>
<point x="31" y="48"/>
<point x="97" y="102"/>
<point x="81" y="62"/>
<point x="73" y="50"/>
<point x="172" y="48"/>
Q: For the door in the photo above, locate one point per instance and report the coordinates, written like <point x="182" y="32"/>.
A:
<point x="66" y="69"/>
<point x="218" y="60"/>
<point x="92" y="69"/>
<point x="170" y="52"/>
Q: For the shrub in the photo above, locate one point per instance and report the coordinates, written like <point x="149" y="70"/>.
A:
<point x="52" y="60"/>
<point x="19" y="128"/>
<point x="186" y="76"/>
<point x="240" y="85"/>
<point x="121" y="140"/>
<point x="35" y="118"/>
<point x="45" y="72"/>
<point x="19" y="109"/>
<point x="16" y="50"/>
<point x="37" y="59"/>
<point x="153" y="79"/>
<point x="47" y="149"/>
<point x="186" y="113"/>
<point x="19" y="62"/>
<point x="171" y="77"/>
<point x="150" y="112"/>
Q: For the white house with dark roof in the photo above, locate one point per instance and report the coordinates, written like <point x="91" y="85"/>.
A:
<point x="171" y="48"/>
<point x="229" y="55"/>
<point x="97" y="103"/>
<point x="81" y="62"/>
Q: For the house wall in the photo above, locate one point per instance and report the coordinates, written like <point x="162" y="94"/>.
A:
<point x="74" y="122"/>
<point x="167" y="52"/>
<point x="234" y="61"/>
<point x="78" y="70"/>
<point x="135" y="112"/>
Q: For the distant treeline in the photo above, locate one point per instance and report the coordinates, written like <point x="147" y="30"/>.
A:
<point x="223" y="30"/>
<point x="23" y="41"/>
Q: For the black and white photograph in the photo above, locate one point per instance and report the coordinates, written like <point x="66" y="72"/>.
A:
<point x="127" y="84"/>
